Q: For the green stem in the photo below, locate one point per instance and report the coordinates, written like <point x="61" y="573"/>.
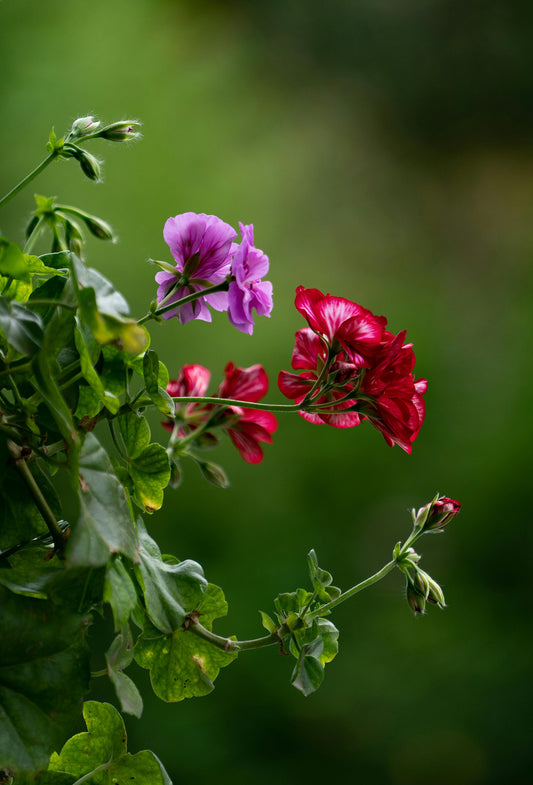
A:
<point x="38" y="169"/>
<point x="320" y="378"/>
<point x="219" y="287"/>
<point x="346" y="595"/>
<point x="40" y="502"/>
<point x="34" y="236"/>
<point x="228" y="645"/>
<point x="267" y="407"/>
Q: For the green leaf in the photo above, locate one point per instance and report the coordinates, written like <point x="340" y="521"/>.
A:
<point x="101" y="754"/>
<point x="137" y="364"/>
<point x="168" y="589"/>
<point x="105" y="311"/>
<point x="181" y="664"/>
<point x="268" y="623"/>
<point x="135" y="433"/>
<point x="46" y="385"/>
<point x="148" y="464"/>
<point x="119" y="592"/>
<point x="20" y="266"/>
<point x="118" y="657"/>
<point x="21" y="327"/>
<point x="321" y="579"/>
<point x="329" y="636"/>
<point x="42" y="649"/>
<point x="150" y="473"/>
<point x="110" y="401"/>
<point x="105" y="525"/>
<point x="308" y="673"/>
<point x="157" y="394"/>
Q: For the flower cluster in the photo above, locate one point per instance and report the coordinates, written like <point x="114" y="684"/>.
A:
<point x="199" y="422"/>
<point x="354" y="369"/>
<point x="208" y="261"/>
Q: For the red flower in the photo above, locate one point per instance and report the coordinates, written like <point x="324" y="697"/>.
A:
<point x="192" y="380"/>
<point x="252" y="426"/>
<point x="397" y="408"/>
<point x="310" y="353"/>
<point x="343" y="324"/>
<point x="246" y="427"/>
<point x="346" y="351"/>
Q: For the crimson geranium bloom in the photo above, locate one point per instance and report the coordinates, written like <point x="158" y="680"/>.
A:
<point x="246" y="427"/>
<point x="253" y="425"/>
<point x="364" y="361"/>
<point x="310" y="355"/>
<point x="343" y="324"/>
<point x="191" y="380"/>
<point x="397" y="408"/>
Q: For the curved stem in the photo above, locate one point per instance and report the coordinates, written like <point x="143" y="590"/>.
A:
<point x="229" y="645"/>
<point x="267" y="407"/>
<point x="355" y="589"/>
<point x="219" y="287"/>
<point x="38" y="169"/>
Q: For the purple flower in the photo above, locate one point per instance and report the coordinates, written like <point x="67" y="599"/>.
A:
<point x="202" y="246"/>
<point x="246" y="290"/>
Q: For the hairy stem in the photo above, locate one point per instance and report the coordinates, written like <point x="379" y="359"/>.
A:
<point x="355" y="589"/>
<point x="38" y="169"/>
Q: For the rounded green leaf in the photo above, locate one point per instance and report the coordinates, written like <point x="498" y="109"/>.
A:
<point x="36" y="711"/>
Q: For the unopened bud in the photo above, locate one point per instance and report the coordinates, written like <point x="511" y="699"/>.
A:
<point x="73" y="236"/>
<point x="122" y="131"/>
<point x="437" y="514"/>
<point x="436" y="595"/>
<point x="214" y="474"/>
<point x="90" y="165"/>
<point x="416" y="601"/>
<point x="83" y="126"/>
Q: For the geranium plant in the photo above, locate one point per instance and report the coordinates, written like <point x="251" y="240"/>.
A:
<point x="73" y="515"/>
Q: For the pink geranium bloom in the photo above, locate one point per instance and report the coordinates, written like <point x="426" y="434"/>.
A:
<point x="310" y="353"/>
<point x="397" y="408"/>
<point x="343" y="324"/>
<point x="253" y="425"/>
<point x="247" y="292"/>
<point x="202" y="247"/>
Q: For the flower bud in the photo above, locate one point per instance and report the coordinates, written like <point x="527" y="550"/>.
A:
<point x="90" y="165"/>
<point x="415" y="600"/>
<point x="437" y="514"/>
<point x="436" y="595"/>
<point x="214" y="474"/>
<point x="122" y="131"/>
<point x="73" y="236"/>
<point x="83" y="126"/>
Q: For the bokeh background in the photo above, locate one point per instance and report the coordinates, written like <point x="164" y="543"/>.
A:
<point x="384" y="152"/>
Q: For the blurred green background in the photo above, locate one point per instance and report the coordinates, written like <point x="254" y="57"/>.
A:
<point x="384" y="152"/>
